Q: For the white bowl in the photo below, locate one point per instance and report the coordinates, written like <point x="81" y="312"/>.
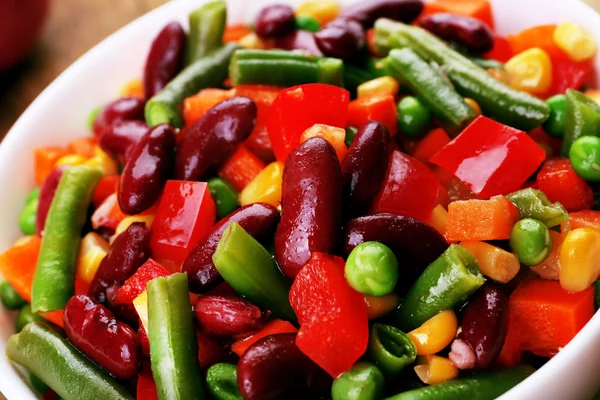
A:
<point x="59" y="115"/>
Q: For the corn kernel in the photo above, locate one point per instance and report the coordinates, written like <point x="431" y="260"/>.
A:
<point x="593" y="94"/>
<point x="435" y="334"/>
<point x="140" y="304"/>
<point x="133" y="88"/>
<point x="334" y="135"/>
<point x="379" y="306"/>
<point x="70" y="159"/>
<point x="125" y="222"/>
<point x="103" y="161"/>
<point x="530" y="71"/>
<point x="499" y="74"/>
<point x="378" y="87"/>
<point x="265" y="187"/>
<point x="252" y="41"/>
<point x="579" y="259"/>
<point x="438" y="219"/>
<point x="435" y="369"/>
<point x="92" y="250"/>
<point x="494" y="262"/>
<point x="473" y="104"/>
<point x="575" y="41"/>
<point x="323" y="11"/>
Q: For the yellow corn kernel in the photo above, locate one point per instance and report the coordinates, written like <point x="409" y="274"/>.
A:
<point x="140" y="304"/>
<point x="103" y="161"/>
<point x="579" y="259"/>
<point x="92" y="250"/>
<point x="379" y="306"/>
<point x="435" y="334"/>
<point x="499" y="74"/>
<point x="438" y="219"/>
<point x="473" y="104"/>
<point x="378" y="87"/>
<point x="70" y="159"/>
<point x="133" y="88"/>
<point x="593" y="94"/>
<point x="494" y="262"/>
<point x="323" y="11"/>
<point x="125" y="222"/>
<point x="265" y="187"/>
<point x="252" y="41"/>
<point x="334" y="135"/>
<point x="575" y="41"/>
<point x="530" y="71"/>
<point x="435" y="369"/>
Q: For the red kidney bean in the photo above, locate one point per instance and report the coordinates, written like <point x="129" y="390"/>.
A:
<point x="214" y="137"/>
<point x="415" y="244"/>
<point x="275" y="21"/>
<point x="367" y="12"/>
<point x="118" y="110"/>
<point x="227" y="315"/>
<point x="143" y="339"/>
<point x="299" y="40"/>
<point x="147" y="170"/>
<point x="342" y="38"/>
<point x="484" y="322"/>
<point x="127" y="253"/>
<point x="362" y="169"/>
<point x="97" y="333"/>
<point x="469" y="32"/>
<point x="274" y="368"/>
<point x="47" y="192"/>
<point x="121" y="137"/>
<point x="311" y="199"/>
<point x="258" y="219"/>
<point x="164" y="58"/>
<point x="210" y="351"/>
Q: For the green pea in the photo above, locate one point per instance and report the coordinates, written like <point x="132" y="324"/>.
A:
<point x="33" y="195"/>
<point x="351" y="132"/>
<point x="363" y="382"/>
<point x="307" y="23"/>
<point x="92" y="117"/>
<point x="530" y="240"/>
<point x="413" y="117"/>
<point x="26" y="316"/>
<point x="585" y="157"/>
<point x="225" y="196"/>
<point x="557" y="121"/>
<point x="391" y="349"/>
<point x="9" y="297"/>
<point x="27" y="218"/>
<point x="37" y="384"/>
<point x="372" y="269"/>
<point x="221" y="380"/>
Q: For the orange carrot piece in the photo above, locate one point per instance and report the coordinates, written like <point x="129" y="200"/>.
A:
<point x="585" y="219"/>
<point x="56" y="317"/>
<point x="235" y="32"/>
<point x="273" y="327"/>
<point x="550" y="267"/>
<point x="194" y="107"/>
<point x="241" y="168"/>
<point x="538" y="36"/>
<point x="479" y="9"/>
<point x="83" y="146"/>
<point x="44" y="160"/>
<point x="18" y="264"/>
<point x="430" y="144"/>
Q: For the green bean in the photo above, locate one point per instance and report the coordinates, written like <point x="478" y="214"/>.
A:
<point x="363" y="382"/>
<point x="225" y="196"/>
<point x="351" y="131"/>
<point x="37" y="384"/>
<point x="582" y="119"/>
<point x="390" y="349"/>
<point x="533" y="203"/>
<point x="207" y="25"/>
<point x="221" y="380"/>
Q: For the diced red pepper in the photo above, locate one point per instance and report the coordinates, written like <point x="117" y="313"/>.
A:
<point x="146" y="388"/>
<point x="559" y="181"/>
<point x="479" y="9"/>
<point x="273" y="327"/>
<point x="568" y="74"/>
<point x="136" y="285"/>
<point x="491" y="158"/>
<point x="241" y="167"/>
<point x="409" y="188"/>
<point x="425" y="148"/>
<point x="376" y="108"/>
<point x="235" y="32"/>
<point x="502" y="51"/>
<point x="334" y="326"/>
<point x="108" y="214"/>
<point x="185" y="216"/>
<point x="107" y="186"/>
<point x="300" y="107"/>
<point x="585" y="219"/>
<point x="548" y="143"/>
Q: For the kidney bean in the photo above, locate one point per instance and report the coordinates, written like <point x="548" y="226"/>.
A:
<point x="118" y="110"/>
<point x="299" y="40"/>
<point x="311" y="199"/>
<point x="47" y="192"/>
<point x="362" y="169"/>
<point x="342" y="38"/>
<point x="164" y="59"/>
<point x="484" y="323"/>
<point x="210" y="351"/>
<point x="214" y="137"/>
<point x="121" y="137"/>
<point x="275" y="21"/>
<point x="143" y="339"/>
<point x="415" y="244"/>
<point x="227" y="315"/>
<point x="367" y="12"/>
<point x="127" y="253"/>
<point x="274" y="368"/>
<point x="258" y="219"/>
<point x="97" y="333"/>
<point x="147" y="170"/>
<point x="469" y="32"/>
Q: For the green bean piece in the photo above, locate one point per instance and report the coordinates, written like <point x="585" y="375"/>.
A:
<point x="556" y="123"/>
<point x="486" y="63"/>
<point x="53" y="282"/>
<point x="37" y="384"/>
<point x="33" y="195"/>
<point x="25" y="316"/>
<point x="221" y="380"/>
<point x="307" y="23"/>
<point x="330" y="71"/>
<point x="249" y="268"/>
<point x="27" y="218"/>
<point x="447" y="282"/>
<point x="209" y="71"/>
<point x="225" y="196"/>
<point x="92" y="117"/>
<point x="485" y="385"/>
<point x="533" y="203"/>
<point x="11" y="300"/>
<point x="530" y="240"/>
<point x="372" y="269"/>
<point x="207" y="25"/>
<point x="585" y="157"/>
<point x="61" y="366"/>
<point x="363" y="382"/>
<point x="355" y="76"/>
<point x="351" y="132"/>
<point x="413" y="117"/>
<point x="582" y="119"/>
<point x="390" y="349"/>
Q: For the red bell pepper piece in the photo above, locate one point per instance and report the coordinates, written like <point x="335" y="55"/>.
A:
<point x="234" y="32"/>
<point x="585" y="219"/>
<point x="334" y="326"/>
<point x="409" y="188"/>
<point x="559" y="181"/>
<point x="108" y="214"/>
<point x="185" y="216"/>
<point x="146" y="388"/>
<point x="376" y="108"/>
<point x="502" y="51"/>
<point x="491" y="158"/>
<point x="241" y="167"/>
<point x="273" y="327"/>
<point x="548" y="143"/>
<point x="136" y="285"/>
<point x="425" y="148"/>
<point x="107" y="186"/>
<point x="568" y="74"/>
<point x="300" y="107"/>
<point x="479" y="9"/>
